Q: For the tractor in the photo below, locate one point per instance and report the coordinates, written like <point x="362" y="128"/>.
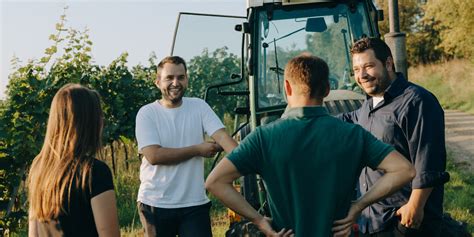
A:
<point x="273" y="32"/>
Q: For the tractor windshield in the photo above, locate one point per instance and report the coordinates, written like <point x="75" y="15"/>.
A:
<point x="326" y="32"/>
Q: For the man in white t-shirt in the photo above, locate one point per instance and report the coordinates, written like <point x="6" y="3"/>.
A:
<point x="170" y="134"/>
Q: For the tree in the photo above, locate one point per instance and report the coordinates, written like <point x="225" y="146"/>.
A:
<point x="409" y="12"/>
<point x="421" y="37"/>
<point x="453" y="20"/>
<point x="210" y="69"/>
<point x="436" y="30"/>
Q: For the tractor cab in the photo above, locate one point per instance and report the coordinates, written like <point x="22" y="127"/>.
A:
<point x="272" y="33"/>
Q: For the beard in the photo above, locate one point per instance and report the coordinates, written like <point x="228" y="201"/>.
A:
<point x="379" y="84"/>
<point x="174" y="94"/>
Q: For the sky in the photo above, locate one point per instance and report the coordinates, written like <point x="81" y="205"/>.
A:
<point x="115" y="26"/>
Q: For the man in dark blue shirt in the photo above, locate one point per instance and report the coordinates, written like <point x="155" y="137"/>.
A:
<point x="411" y="119"/>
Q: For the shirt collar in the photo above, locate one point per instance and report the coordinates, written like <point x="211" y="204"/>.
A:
<point x="307" y="111"/>
<point x="397" y="86"/>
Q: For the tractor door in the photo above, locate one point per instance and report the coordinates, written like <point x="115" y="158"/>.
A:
<point x="213" y="47"/>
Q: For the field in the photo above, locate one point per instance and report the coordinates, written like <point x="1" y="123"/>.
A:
<point x="451" y="82"/>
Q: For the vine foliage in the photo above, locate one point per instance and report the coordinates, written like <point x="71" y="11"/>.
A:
<point x="24" y="113"/>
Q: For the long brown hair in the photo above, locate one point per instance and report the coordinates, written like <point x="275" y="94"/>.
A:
<point x="73" y="138"/>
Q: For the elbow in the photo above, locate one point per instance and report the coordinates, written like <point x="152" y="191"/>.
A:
<point x="411" y="172"/>
<point x="152" y="160"/>
<point x="156" y="160"/>
<point x="212" y="184"/>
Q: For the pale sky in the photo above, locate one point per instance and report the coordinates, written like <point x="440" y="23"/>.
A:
<point x="137" y="27"/>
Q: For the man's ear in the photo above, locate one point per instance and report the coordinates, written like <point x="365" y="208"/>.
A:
<point x="288" y="89"/>
<point x="389" y="64"/>
<point x="157" y="82"/>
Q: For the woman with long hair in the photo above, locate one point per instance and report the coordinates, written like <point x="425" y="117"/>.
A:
<point x="70" y="192"/>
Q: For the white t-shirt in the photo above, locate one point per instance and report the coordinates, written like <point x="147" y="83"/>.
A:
<point x="182" y="184"/>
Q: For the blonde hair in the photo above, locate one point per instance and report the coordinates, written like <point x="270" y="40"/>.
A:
<point x="73" y="138"/>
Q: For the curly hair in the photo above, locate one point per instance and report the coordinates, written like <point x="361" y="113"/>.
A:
<point x="380" y="48"/>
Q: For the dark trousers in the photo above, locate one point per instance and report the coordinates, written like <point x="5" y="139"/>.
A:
<point x="169" y="222"/>
<point x="427" y="229"/>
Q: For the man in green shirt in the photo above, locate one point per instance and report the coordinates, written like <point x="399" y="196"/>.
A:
<point x="309" y="161"/>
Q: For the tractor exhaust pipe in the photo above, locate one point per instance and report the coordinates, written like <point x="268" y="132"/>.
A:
<point x="396" y="40"/>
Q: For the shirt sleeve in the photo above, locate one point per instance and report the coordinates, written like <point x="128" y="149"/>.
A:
<point x="145" y="131"/>
<point x="247" y="157"/>
<point x="424" y="128"/>
<point x="350" y="117"/>
<point x="375" y="150"/>
<point x="211" y="122"/>
<point x="101" y="178"/>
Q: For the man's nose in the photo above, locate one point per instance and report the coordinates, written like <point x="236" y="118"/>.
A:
<point x="175" y="81"/>
<point x="362" y="73"/>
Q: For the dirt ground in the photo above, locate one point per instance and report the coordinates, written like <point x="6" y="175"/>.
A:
<point x="460" y="137"/>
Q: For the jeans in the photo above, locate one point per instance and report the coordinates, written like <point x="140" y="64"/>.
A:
<point x="169" y="222"/>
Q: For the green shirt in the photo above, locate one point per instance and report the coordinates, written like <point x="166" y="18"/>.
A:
<point x="310" y="162"/>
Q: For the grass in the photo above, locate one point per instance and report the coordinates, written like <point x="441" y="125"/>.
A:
<point x="452" y="83"/>
<point x="126" y="188"/>
<point x="459" y="193"/>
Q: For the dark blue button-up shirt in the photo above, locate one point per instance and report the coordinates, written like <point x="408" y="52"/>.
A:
<point x="411" y="119"/>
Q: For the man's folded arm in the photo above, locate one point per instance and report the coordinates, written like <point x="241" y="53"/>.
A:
<point x="158" y="155"/>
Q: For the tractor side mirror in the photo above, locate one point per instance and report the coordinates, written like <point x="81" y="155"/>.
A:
<point x="316" y="24"/>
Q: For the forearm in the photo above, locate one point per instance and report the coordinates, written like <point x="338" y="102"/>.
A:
<point x="170" y="156"/>
<point x="219" y="183"/>
<point x="419" y="197"/>
<point x="227" y="194"/>
<point x="386" y="185"/>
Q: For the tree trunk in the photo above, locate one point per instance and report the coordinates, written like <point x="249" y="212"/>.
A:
<point x="11" y="202"/>
<point x="113" y="157"/>
<point x="126" y="153"/>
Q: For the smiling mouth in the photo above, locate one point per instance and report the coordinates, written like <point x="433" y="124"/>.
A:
<point x="175" y="89"/>
<point x="369" y="80"/>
